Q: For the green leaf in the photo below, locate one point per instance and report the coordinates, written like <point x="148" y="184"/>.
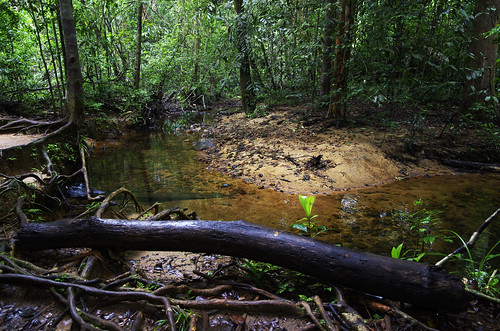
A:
<point x="416" y="259"/>
<point x="300" y="227"/>
<point x="307" y="204"/>
<point x="396" y="251"/>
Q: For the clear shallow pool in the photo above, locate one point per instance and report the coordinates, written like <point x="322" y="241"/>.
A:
<point x="166" y="168"/>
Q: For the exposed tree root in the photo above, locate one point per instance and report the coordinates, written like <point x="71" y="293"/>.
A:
<point x="35" y="124"/>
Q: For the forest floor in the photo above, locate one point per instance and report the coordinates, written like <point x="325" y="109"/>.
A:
<point x="292" y="150"/>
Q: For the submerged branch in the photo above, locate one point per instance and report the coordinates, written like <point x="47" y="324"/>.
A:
<point x="472" y="239"/>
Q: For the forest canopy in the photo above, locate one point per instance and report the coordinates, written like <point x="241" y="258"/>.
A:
<point x="133" y="54"/>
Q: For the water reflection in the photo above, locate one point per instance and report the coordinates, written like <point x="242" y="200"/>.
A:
<point x="166" y="168"/>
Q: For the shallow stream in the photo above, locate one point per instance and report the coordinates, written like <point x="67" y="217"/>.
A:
<point x="166" y="168"/>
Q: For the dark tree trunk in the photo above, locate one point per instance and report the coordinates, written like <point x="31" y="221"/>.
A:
<point x="326" y="69"/>
<point x="246" y="85"/>
<point x="342" y="51"/>
<point x="480" y="81"/>
<point x="74" y="95"/>
<point x="137" y="74"/>
<point x="392" y="278"/>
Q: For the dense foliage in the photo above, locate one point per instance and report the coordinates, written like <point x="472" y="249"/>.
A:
<point x="400" y="52"/>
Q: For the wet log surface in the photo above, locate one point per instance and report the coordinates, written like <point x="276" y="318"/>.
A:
<point x="411" y="282"/>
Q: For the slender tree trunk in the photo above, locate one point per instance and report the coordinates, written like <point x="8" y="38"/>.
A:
<point x="246" y="85"/>
<point x="339" y="86"/>
<point x="269" y="69"/>
<point x="480" y="81"/>
<point x="47" y="73"/>
<point x="59" y="63"/>
<point x="52" y="56"/>
<point x="75" y="103"/>
<point x="326" y="69"/>
<point x="137" y="74"/>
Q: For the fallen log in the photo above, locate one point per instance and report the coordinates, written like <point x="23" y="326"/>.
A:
<point x="411" y="282"/>
<point x="472" y="165"/>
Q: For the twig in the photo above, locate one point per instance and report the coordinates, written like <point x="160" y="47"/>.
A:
<point x="167" y="212"/>
<point x="472" y="239"/>
<point x="94" y="318"/>
<point x="180" y="289"/>
<point x="153" y="206"/>
<point x="86" y="177"/>
<point x="27" y="265"/>
<point x="88" y="266"/>
<point x="16" y="267"/>
<point x="483" y="295"/>
<point x="328" y="321"/>
<point x="349" y="314"/>
<point x="338" y="317"/>
<point x="283" y="307"/>
<point x="73" y="311"/>
<point x="106" y="202"/>
<point x="19" y="211"/>
<point x="311" y="315"/>
<point x="130" y="296"/>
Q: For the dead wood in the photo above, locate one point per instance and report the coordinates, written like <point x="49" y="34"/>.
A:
<point x="412" y="282"/>
<point x="472" y="165"/>
<point x="312" y="316"/>
<point x="472" y="239"/>
<point x="329" y="324"/>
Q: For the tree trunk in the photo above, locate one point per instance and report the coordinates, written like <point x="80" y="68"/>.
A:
<point x="246" y="85"/>
<point x="75" y="103"/>
<point x="339" y="86"/>
<point x="326" y="69"/>
<point x="137" y="74"/>
<point x="392" y="278"/>
<point x="480" y="82"/>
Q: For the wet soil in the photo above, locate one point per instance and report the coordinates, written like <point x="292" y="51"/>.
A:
<point x="292" y="152"/>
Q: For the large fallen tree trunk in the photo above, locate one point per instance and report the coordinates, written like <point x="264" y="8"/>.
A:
<point x="411" y="282"/>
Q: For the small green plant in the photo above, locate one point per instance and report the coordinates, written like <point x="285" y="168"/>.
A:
<point x="255" y="270"/>
<point x="478" y="274"/>
<point x="182" y="319"/>
<point x="260" y="111"/>
<point x="421" y="224"/>
<point x="93" y="205"/>
<point x="306" y="224"/>
<point x="35" y="215"/>
<point x="396" y="253"/>
<point x="61" y="152"/>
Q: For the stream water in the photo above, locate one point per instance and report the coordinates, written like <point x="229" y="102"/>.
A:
<point x="166" y="169"/>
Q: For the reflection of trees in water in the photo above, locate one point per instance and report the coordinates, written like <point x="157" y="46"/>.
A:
<point x="158" y="168"/>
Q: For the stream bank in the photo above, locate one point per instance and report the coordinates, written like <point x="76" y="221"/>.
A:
<point x="289" y="150"/>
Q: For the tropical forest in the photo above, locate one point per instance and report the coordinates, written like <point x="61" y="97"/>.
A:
<point x="249" y="165"/>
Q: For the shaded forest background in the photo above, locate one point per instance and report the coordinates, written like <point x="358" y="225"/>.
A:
<point x="139" y="59"/>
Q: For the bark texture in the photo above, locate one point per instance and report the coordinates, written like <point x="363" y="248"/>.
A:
<point x="75" y="102"/>
<point x="411" y="282"/>
<point x="480" y="82"/>
<point x="246" y="85"/>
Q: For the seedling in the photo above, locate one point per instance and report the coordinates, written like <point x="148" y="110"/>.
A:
<point x="306" y="224"/>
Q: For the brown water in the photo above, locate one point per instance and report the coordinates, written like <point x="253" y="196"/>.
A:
<point x="166" y="168"/>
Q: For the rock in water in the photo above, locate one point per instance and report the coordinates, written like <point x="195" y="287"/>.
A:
<point x="204" y="144"/>
<point x="79" y="191"/>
